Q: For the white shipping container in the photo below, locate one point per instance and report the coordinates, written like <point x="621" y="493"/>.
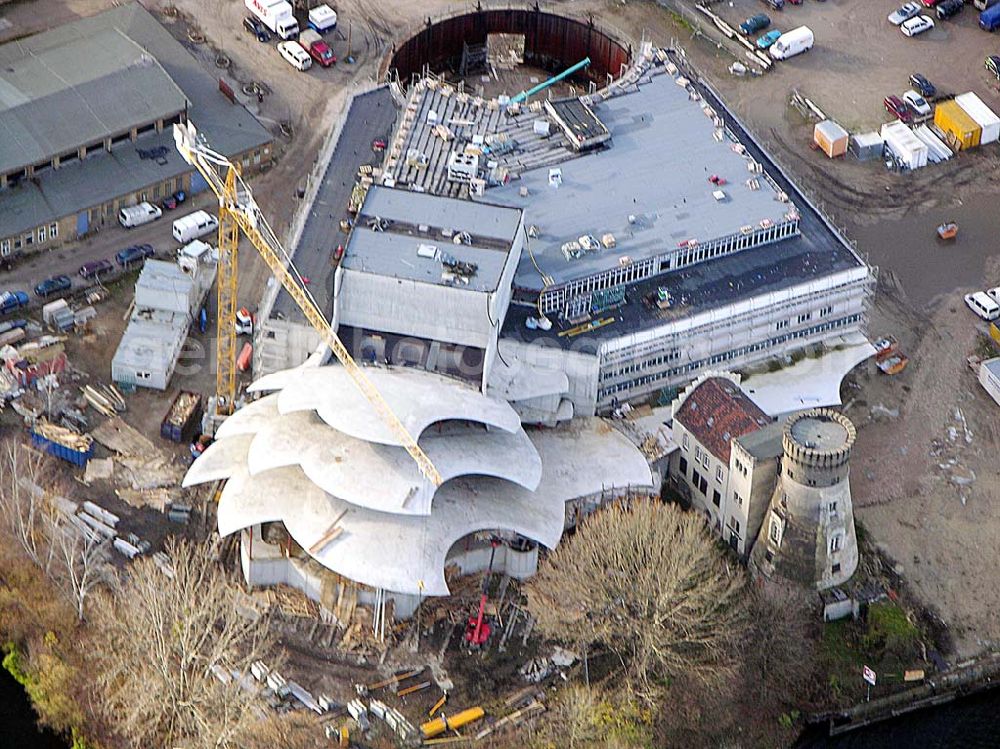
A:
<point x="907" y="147"/>
<point x="983" y="116"/>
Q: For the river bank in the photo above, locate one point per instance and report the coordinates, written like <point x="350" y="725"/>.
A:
<point x="18" y="721"/>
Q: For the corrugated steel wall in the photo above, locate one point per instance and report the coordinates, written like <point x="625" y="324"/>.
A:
<point x="550" y="42"/>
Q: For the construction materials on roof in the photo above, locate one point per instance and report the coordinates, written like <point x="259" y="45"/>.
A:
<point x="961" y="130"/>
<point x="937" y="149"/>
<point x="831" y="138"/>
<point x="985" y="117"/>
<point x="907" y="149"/>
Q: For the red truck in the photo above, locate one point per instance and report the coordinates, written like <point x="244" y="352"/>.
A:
<point x="318" y="49"/>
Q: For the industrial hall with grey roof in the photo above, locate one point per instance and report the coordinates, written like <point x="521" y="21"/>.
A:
<point x="78" y="142"/>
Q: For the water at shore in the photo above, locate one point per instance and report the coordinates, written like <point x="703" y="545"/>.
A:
<point x="968" y="723"/>
<point x="17" y="720"/>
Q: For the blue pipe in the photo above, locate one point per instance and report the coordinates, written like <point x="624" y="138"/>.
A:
<point x="555" y="79"/>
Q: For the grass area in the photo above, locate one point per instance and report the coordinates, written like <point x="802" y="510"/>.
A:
<point x="885" y="640"/>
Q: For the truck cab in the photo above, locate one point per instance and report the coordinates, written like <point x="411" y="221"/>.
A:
<point x="318" y="49"/>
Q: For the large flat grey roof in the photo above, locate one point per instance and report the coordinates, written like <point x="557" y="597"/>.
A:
<point x="56" y="97"/>
<point x="229" y="128"/>
<point x="657" y="168"/>
<point x="417" y="219"/>
<point x="479" y="219"/>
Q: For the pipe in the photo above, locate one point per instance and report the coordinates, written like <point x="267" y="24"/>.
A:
<point x="523" y="96"/>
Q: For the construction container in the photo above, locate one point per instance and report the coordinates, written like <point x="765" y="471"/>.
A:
<point x="181" y="421"/>
<point x="960" y="129"/>
<point x="831" y="137"/>
<point x="77" y="457"/>
<point x="908" y="150"/>
<point x="985" y="117"/>
<point x="866" y="146"/>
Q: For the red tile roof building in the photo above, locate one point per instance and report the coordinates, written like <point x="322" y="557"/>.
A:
<point x="716" y="412"/>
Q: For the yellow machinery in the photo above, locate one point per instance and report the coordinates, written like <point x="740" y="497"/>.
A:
<point x="439" y="725"/>
<point x="239" y="212"/>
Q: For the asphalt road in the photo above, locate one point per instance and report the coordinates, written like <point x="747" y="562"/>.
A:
<point x="372" y="115"/>
<point x="67" y="259"/>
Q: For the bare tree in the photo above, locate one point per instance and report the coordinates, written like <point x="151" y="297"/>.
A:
<point x="646" y="582"/>
<point x="82" y="562"/>
<point x="23" y="498"/>
<point x="161" y="644"/>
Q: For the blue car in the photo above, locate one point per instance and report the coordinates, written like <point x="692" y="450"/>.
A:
<point x="53" y="286"/>
<point x="11" y="300"/>
<point x="134" y="254"/>
<point x="768" y="39"/>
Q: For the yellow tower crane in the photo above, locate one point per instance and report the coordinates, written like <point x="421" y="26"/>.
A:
<point x="239" y="212"/>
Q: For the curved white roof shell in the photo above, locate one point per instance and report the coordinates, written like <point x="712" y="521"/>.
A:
<point x="396" y="532"/>
<point x="367" y="474"/>
<point x="419" y="398"/>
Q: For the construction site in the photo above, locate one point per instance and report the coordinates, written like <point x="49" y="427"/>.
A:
<point x="489" y="257"/>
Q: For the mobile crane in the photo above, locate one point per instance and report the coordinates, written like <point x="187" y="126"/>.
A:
<point x="238" y="211"/>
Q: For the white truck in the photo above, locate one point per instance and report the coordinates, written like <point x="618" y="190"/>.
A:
<point x="276" y="15"/>
<point x="792" y="43"/>
<point x="322" y="18"/>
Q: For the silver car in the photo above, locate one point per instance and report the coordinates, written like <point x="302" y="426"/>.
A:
<point x="905" y="13"/>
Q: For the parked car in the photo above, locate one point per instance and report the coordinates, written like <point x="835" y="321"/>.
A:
<point x="897" y="108"/>
<point x="776" y="4"/>
<point x="755" y="23"/>
<point x="929" y="3"/>
<point x="378" y="145"/>
<point x="905" y="13"/>
<point x="53" y="286"/>
<point x="949" y="8"/>
<point x="993" y="65"/>
<point x="924" y="86"/>
<point x="295" y="55"/>
<point x="134" y="253"/>
<point x="255" y="27"/>
<point x="795" y="2"/>
<point x="917" y="103"/>
<point x="95" y="268"/>
<point x="917" y="25"/>
<point x="768" y="39"/>
<point x="11" y="300"/>
<point x="339" y="252"/>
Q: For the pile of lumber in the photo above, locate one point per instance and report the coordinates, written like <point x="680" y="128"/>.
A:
<point x="63" y="436"/>
<point x="105" y="399"/>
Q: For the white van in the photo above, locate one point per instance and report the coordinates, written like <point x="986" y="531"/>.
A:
<point x="983" y="305"/>
<point x="295" y="55"/>
<point x="137" y="215"/>
<point x="792" y="43"/>
<point x="195" y="225"/>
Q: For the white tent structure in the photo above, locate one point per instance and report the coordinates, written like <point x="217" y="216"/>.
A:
<point x="313" y="455"/>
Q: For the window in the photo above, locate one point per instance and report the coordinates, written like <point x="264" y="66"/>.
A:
<point x="695" y="478"/>
<point x="682" y="466"/>
<point x="256" y="157"/>
<point x="826" y="311"/>
<point x="718" y="474"/>
<point x="42" y="233"/>
<point x="156" y="192"/>
<point x="737" y="499"/>
<point x="781" y="325"/>
<point x="805" y="317"/>
<point x="703" y="485"/>
<point x="53" y="231"/>
<point x="685" y="441"/>
<point x="769" y="556"/>
<point x="835" y="569"/>
<point x="697" y="454"/>
<point x="17" y="243"/>
<point x="5" y="247"/>
<point x="836" y="541"/>
<point x="716" y="498"/>
<point x="734" y="524"/>
<point x="29" y="239"/>
<point x="774" y="533"/>
<point x="143" y="196"/>
<point x="832" y="507"/>
<point x="704" y="460"/>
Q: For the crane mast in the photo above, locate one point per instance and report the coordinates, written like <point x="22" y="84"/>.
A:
<point x="238" y="212"/>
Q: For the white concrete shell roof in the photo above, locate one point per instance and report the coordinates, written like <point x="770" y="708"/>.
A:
<point x="366" y="474"/>
<point x="417" y="397"/>
<point x="581" y="460"/>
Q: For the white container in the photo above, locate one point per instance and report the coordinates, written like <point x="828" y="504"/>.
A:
<point x="322" y="18"/>
<point x="792" y="43"/>
<point x="908" y="149"/>
<point x="983" y="116"/>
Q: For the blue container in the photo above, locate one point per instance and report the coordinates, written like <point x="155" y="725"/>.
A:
<point x="76" y="457"/>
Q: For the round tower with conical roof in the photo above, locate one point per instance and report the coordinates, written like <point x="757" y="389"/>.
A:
<point x="808" y="531"/>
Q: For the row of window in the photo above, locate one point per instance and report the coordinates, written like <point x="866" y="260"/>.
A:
<point x="40" y="234"/>
<point x="636" y="365"/>
<point x="726" y="356"/>
<point x="554" y="300"/>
